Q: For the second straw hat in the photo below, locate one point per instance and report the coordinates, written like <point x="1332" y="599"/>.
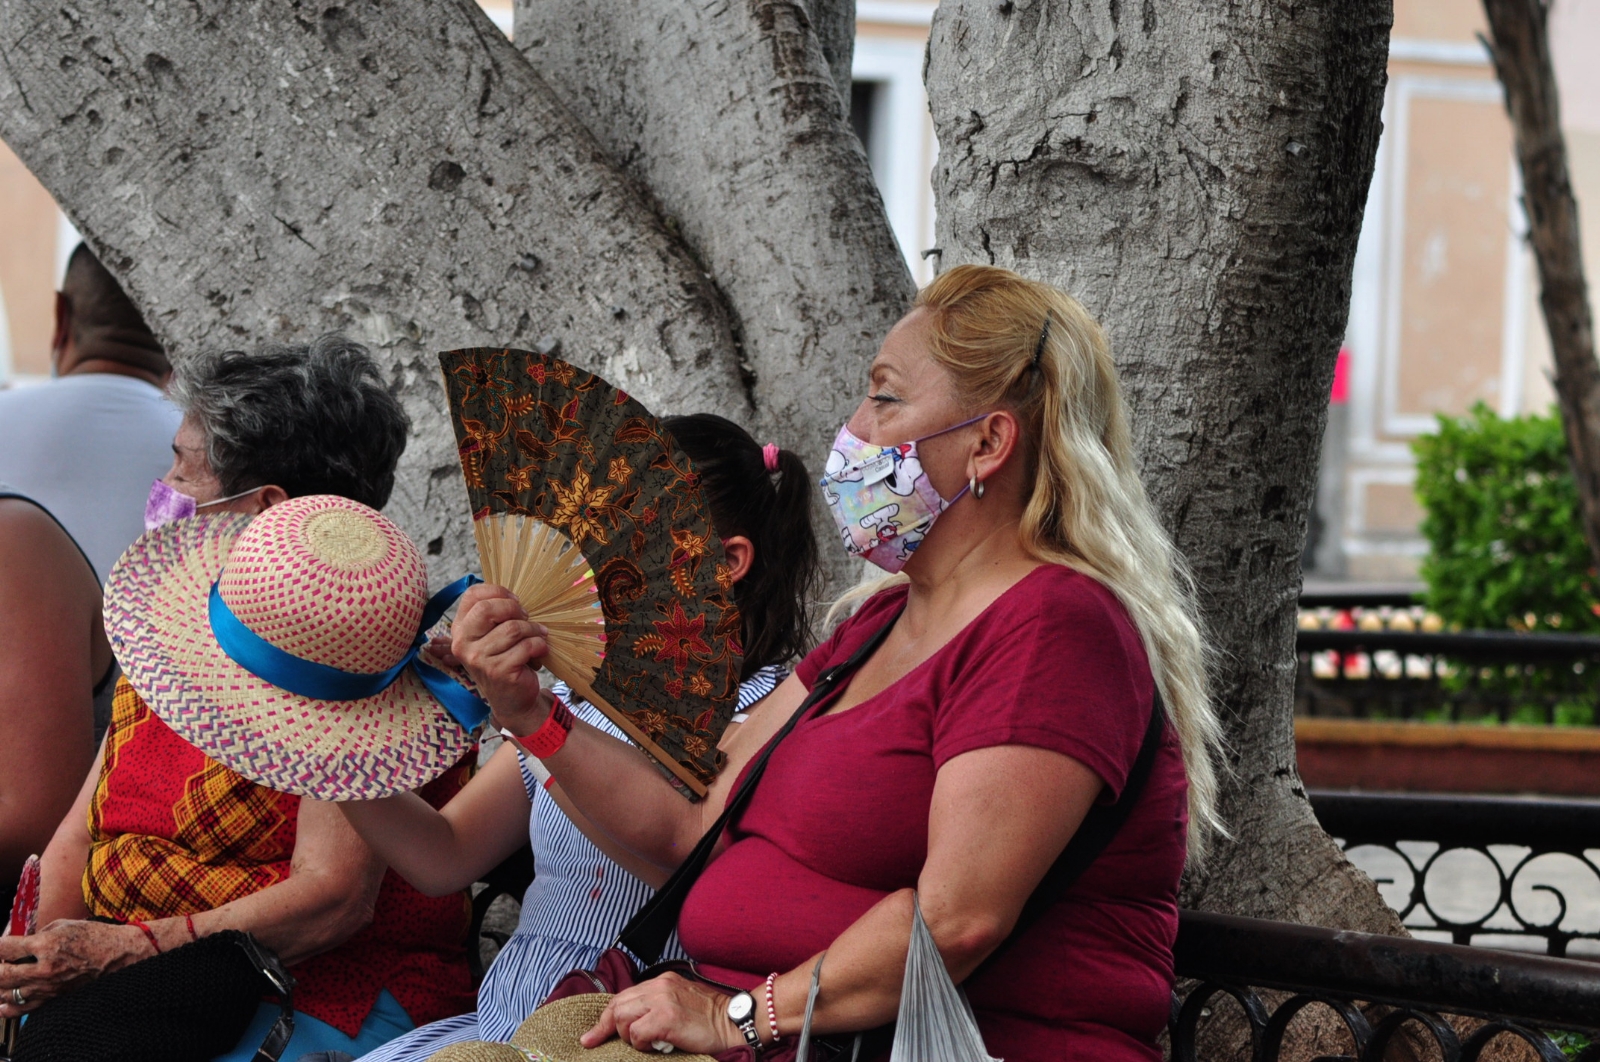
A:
<point x="283" y="646"/>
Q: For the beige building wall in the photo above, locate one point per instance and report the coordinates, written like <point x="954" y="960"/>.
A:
<point x="29" y="230"/>
<point x="1444" y="310"/>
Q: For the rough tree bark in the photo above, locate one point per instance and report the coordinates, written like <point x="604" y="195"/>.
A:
<point x="834" y="22"/>
<point x="1196" y="175"/>
<point x="271" y="171"/>
<point x="727" y="114"/>
<point x="1521" y="51"/>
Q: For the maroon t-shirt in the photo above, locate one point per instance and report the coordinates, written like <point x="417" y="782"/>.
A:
<point x="840" y="820"/>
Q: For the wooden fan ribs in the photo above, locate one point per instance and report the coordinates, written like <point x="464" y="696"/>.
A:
<point x="586" y="510"/>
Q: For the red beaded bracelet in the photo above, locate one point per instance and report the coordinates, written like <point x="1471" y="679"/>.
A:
<point x="548" y="739"/>
<point x="149" y="935"/>
<point x="772" y="1011"/>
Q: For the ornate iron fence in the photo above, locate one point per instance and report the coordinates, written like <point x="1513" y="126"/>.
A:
<point x="1512" y="838"/>
<point x="1414" y="984"/>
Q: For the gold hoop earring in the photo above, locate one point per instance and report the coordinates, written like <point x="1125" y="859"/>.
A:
<point x="975" y="485"/>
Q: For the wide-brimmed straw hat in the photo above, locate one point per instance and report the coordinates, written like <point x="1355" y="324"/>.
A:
<point x="323" y="596"/>
<point x="551" y="1034"/>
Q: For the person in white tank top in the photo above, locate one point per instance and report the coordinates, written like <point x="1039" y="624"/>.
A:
<point x="87" y="444"/>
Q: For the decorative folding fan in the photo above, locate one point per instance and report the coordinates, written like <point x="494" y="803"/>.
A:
<point x="585" y="508"/>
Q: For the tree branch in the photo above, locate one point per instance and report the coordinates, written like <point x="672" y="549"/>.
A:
<point x="1520" y="47"/>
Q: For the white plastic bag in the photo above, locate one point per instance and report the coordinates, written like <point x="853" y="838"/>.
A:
<point x="936" y="1022"/>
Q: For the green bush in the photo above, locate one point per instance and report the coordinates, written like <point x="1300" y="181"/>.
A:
<point x="1505" y="540"/>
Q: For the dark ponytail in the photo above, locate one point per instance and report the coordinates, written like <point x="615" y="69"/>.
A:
<point x="772" y="510"/>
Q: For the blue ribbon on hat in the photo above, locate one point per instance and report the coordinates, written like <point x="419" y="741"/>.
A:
<point x="322" y="682"/>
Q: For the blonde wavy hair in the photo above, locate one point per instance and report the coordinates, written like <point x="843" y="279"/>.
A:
<point x="1088" y="509"/>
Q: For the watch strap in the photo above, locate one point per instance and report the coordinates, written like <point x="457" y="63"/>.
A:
<point x="747" y="1026"/>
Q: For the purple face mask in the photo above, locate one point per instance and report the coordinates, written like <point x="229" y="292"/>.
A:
<point x="167" y="504"/>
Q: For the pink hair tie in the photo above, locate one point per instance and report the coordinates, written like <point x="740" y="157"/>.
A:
<point x="769" y="455"/>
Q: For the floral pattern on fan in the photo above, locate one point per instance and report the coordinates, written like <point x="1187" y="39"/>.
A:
<point x="541" y="440"/>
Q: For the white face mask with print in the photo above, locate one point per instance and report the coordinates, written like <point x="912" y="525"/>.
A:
<point x="882" y="500"/>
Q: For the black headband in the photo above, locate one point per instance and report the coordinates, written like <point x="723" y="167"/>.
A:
<point x="1044" y="337"/>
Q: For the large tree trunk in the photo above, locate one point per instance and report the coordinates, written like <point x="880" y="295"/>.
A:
<point x="1521" y="50"/>
<point x="271" y="171"/>
<point x="727" y="113"/>
<point x="834" y="22"/>
<point x="1196" y="175"/>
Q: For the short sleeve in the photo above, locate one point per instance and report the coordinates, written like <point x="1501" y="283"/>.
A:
<point x="849" y="635"/>
<point x="1055" y="664"/>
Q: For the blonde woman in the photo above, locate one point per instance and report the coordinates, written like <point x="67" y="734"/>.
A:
<point x="1041" y="607"/>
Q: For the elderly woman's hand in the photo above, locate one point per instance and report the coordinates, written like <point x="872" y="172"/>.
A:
<point x="67" y="954"/>
<point x="502" y="649"/>
<point x="688" y="1015"/>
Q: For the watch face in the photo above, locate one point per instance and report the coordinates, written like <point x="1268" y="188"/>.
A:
<point x="740" y="1007"/>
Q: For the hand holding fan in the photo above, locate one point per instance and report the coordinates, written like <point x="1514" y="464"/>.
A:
<point x="584" y="508"/>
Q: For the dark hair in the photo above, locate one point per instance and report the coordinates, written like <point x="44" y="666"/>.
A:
<point x="772" y="510"/>
<point x="312" y="419"/>
<point x="104" y="321"/>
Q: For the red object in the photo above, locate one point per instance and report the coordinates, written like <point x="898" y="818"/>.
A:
<point x="548" y="739"/>
<point x="25" y="905"/>
<point x="188" y="921"/>
<point x="840" y="820"/>
<point x="1341" y="379"/>
<point x="148" y="935"/>
<point x="176" y="833"/>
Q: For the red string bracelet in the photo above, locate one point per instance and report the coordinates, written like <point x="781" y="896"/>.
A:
<point x="548" y="739"/>
<point x="188" y="920"/>
<point x="149" y="935"/>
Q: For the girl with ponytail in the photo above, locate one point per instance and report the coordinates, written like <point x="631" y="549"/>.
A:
<point x="759" y="498"/>
<point x="761" y="493"/>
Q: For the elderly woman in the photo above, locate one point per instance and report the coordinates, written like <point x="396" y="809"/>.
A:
<point x="1041" y="609"/>
<point x="173" y="844"/>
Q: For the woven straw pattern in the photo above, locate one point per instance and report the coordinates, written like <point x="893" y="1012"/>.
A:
<point x="479" y="1051"/>
<point x="551" y="1035"/>
<point x="337" y="608"/>
<point x="553" y="1031"/>
<point x="336" y="583"/>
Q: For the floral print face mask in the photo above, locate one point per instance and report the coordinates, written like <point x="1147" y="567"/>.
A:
<point x="880" y="497"/>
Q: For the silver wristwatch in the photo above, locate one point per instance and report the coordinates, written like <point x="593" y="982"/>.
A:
<point x="742" y="1012"/>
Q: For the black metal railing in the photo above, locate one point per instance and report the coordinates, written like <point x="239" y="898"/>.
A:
<point x="1530" y="867"/>
<point x="1380" y="988"/>
<point x="1361" y="597"/>
<point x="511" y="878"/>
<point x="1471" y="676"/>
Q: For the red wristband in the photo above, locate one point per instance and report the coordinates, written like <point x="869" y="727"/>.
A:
<point x="188" y="920"/>
<point x="149" y="935"/>
<point x="548" y="739"/>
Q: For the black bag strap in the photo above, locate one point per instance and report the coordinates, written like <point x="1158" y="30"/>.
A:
<point x="271" y="967"/>
<point x="647" y="931"/>
<point x="1098" y="829"/>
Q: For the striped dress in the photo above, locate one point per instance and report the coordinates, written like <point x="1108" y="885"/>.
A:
<point x="578" y="903"/>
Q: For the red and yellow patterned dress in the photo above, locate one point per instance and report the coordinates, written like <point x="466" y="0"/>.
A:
<point x="174" y="832"/>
